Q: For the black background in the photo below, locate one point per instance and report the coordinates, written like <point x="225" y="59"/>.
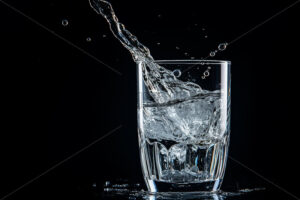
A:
<point x="56" y="100"/>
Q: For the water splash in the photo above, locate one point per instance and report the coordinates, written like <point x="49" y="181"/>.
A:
<point x="163" y="86"/>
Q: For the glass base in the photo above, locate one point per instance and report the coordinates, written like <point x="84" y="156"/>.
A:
<point x="208" y="186"/>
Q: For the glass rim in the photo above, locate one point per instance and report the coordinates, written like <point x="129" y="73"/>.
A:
<point x="190" y="61"/>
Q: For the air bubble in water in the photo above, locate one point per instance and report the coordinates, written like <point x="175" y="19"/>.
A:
<point x="88" y="39"/>
<point x="65" y="22"/>
<point x="206" y="73"/>
<point x="177" y="72"/>
<point x="222" y="46"/>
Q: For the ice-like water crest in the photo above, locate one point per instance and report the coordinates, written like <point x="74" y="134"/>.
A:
<point x="162" y="83"/>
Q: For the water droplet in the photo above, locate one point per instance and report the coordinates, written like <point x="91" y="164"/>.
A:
<point x="94" y="185"/>
<point x="212" y="54"/>
<point x="192" y="58"/>
<point x="159" y="15"/>
<point x="104" y="35"/>
<point x="107" y="183"/>
<point x="186" y="54"/>
<point x="203" y="29"/>
<point x="222" y="46"/>
<point x="177" y="73"/>
<point x="65" y="22"/>
<point x="158" y="43"/>
<point x="196" y="24"/>
<point x="177" y="48"/>
<point x="202" y="63"/>
<point x="206" y="36"/>
<point x="88" y="39"/>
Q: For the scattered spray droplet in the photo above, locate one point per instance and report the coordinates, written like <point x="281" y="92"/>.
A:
<point x="222" y="46"/>
<point x="196" y="24"/>
<point x="65" y="22"/>
<point x="203" y="29"/>
<point x="202" y="63"/>
<point x="158" y="43"/>
<point x="206" y="36"/>
<point x="107" y="183"/>
<point x="192" y="58"/>
<point x="104" y="35"/>
<point x="186" y="54"/>
<point x="88" y="39"/>
<point x="177" y="48"/>
<point x="159" y="15"/>
<point x="212" y="54"/>
<point x="177" y="73"/>
<point x="94" y="185"/>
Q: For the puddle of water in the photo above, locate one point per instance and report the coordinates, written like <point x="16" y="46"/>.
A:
<point x="135" y="191"/>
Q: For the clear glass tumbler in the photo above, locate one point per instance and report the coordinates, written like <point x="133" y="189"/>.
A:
<point x="184" y="142"/>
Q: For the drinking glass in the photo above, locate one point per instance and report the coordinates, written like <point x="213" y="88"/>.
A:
<point x="184" y="142"/>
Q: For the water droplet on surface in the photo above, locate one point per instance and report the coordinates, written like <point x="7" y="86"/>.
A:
<point x="88" y="39"/>
<point x="65" y="22"/>
<point x="222" y="46"/>
<point x="177" y="48"/>
<point x="104" y="35"/>
<point x="177" y="72"/>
